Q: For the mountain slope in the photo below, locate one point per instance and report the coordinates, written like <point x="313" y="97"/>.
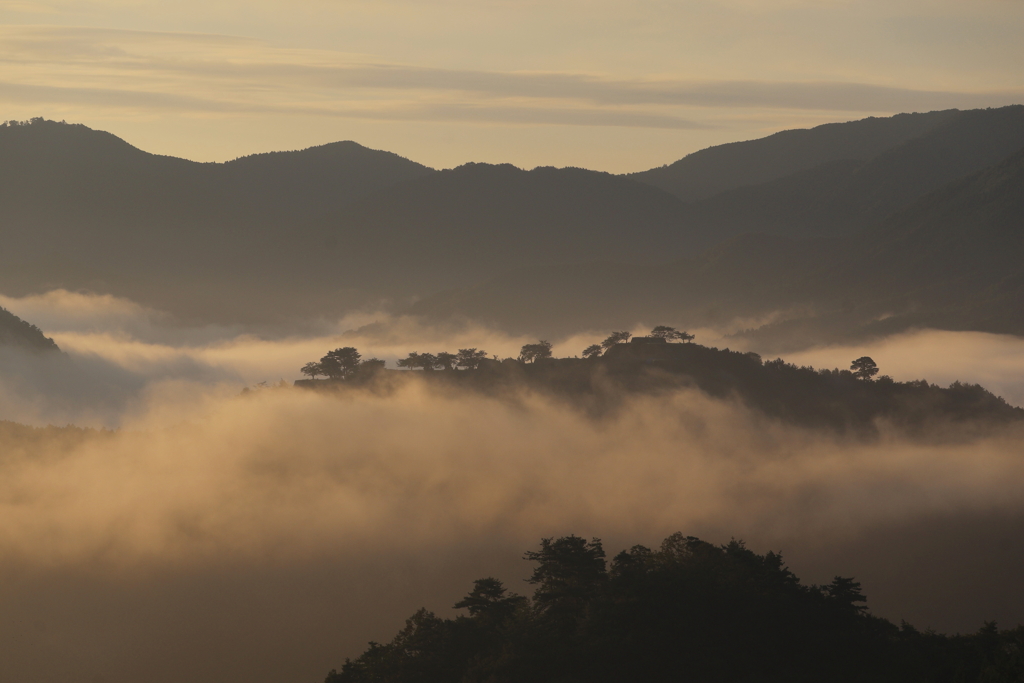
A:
<point x="750" y="276"/>
<point x="954" y="259"/>
<point x="297" y="234"/>
<point x="466" y="223"/>
<point x="842" y="197"/>
<point x="959" y="251"/>
<point x="82" y="209"/>
<point x="286" y="237"/>
<point x="716" y="169"/>
<point x="16" y="332"/>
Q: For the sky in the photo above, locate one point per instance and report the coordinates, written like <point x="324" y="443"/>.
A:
<point x="603" y="84"/>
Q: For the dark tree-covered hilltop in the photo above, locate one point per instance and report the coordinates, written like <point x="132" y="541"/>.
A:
<point x="854" y="401"/>
<point x="686" y="611"/>
<point x="16" y="332"/>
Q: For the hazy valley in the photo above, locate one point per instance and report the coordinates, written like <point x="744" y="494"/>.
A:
<point x="269" y="534"/>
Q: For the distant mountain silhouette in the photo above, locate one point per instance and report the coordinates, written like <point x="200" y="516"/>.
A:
<point x="83" y="209"/>
<point x="297" y="233"/>
<point x="958" y="251"/>
<point x="474" y="220"/>
<point x="16" y="332"/>
<point x="843" y="196"/>
<point x="818" y="220"/>
<point x="749" y="276"/>
<point x="953" y="259"/>
<point x="716" y="169"/>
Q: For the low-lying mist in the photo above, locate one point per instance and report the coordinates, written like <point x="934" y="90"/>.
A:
<point x="116" y="351"/>
<point x="220" y="536"/>
<point x="996" y="361"/>
<point x="280" y="530"/>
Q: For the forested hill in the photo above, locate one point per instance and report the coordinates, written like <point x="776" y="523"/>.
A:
<point x="17" y="333"/>
<point x="466" y="223"/>
<point x="298" y="234"/>
<point x="960" y="250"/>
<point x="716" y="169"/>
<point x="83" y="209"/>
<point x="844" y="195"/>
<point x="94" y="169"/>
<point x="686" y="611"/>
<point x="949" y="259"/>
<point x="837" y="400"/>
<point x="283" y="238"/>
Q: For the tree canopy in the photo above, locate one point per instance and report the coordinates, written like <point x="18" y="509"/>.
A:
<point x="864" y="368"/>
<point x="312" y="370"/>
<point x="446" y="361"/>
<point x="340" y="362"/>
<point x="423" y="361"/>
<point x="531" y="353"/>
<point x="686" y="610"/>
<point x="470" y="358"/>
<point x="615" y="338"/>
<point x="671" y="334"/>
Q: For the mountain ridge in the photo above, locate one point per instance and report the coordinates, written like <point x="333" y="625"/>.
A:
<point x="712" y="170"/>
<point x="15" y="332"/>
<point x="282" y="237"/>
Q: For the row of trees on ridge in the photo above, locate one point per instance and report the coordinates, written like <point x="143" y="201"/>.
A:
<point x="343" y="362"/>
<point x="340" y="363"/>
<point x="669" y="334"/>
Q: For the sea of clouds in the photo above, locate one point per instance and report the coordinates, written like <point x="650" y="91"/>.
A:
<point x="220" y="535"/>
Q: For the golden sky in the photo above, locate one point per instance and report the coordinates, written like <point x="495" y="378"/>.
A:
<point x="604" y="84"/>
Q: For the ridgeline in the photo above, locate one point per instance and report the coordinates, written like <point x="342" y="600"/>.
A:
<point x="16" y="332"/>
<point x="688" y="611"/>
<point x="846" y="401"/>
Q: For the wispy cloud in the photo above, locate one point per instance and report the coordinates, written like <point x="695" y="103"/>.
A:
<point x="212" y="74"/>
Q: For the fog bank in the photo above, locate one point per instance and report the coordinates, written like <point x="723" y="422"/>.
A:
<point x="996" y="361"/>
<point x="219" y="536"/>
<point x="269" y="535"/>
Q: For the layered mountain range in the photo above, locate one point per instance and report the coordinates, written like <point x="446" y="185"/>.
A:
<point x="839" y="230"/>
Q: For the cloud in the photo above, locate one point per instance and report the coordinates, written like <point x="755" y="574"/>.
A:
<point x="116" y="350"/>
<point x="271" y="534"/>
<point x="275" y="533"/>
<point x="211" y="74"/>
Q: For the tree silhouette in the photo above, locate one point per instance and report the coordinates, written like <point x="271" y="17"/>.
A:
<point x="411" y="361"/>
<point x="592" y="351"/>
<point x="470" y="358"/>
<point x="340" y="362"/>
<point x="531" y="353"/>
<point x="567" y="572"/>
<point x="615" y="338"/>
<point x="846" y="592"/>
<point x="671" y="334"/>
<point x="490" y="599"/>
<point x="864" y="368"/>
<point x="312" y="370"/>
<point x="425" y="361"/>
<point x="688" y="610"/>
<point x="447" y="361"/>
